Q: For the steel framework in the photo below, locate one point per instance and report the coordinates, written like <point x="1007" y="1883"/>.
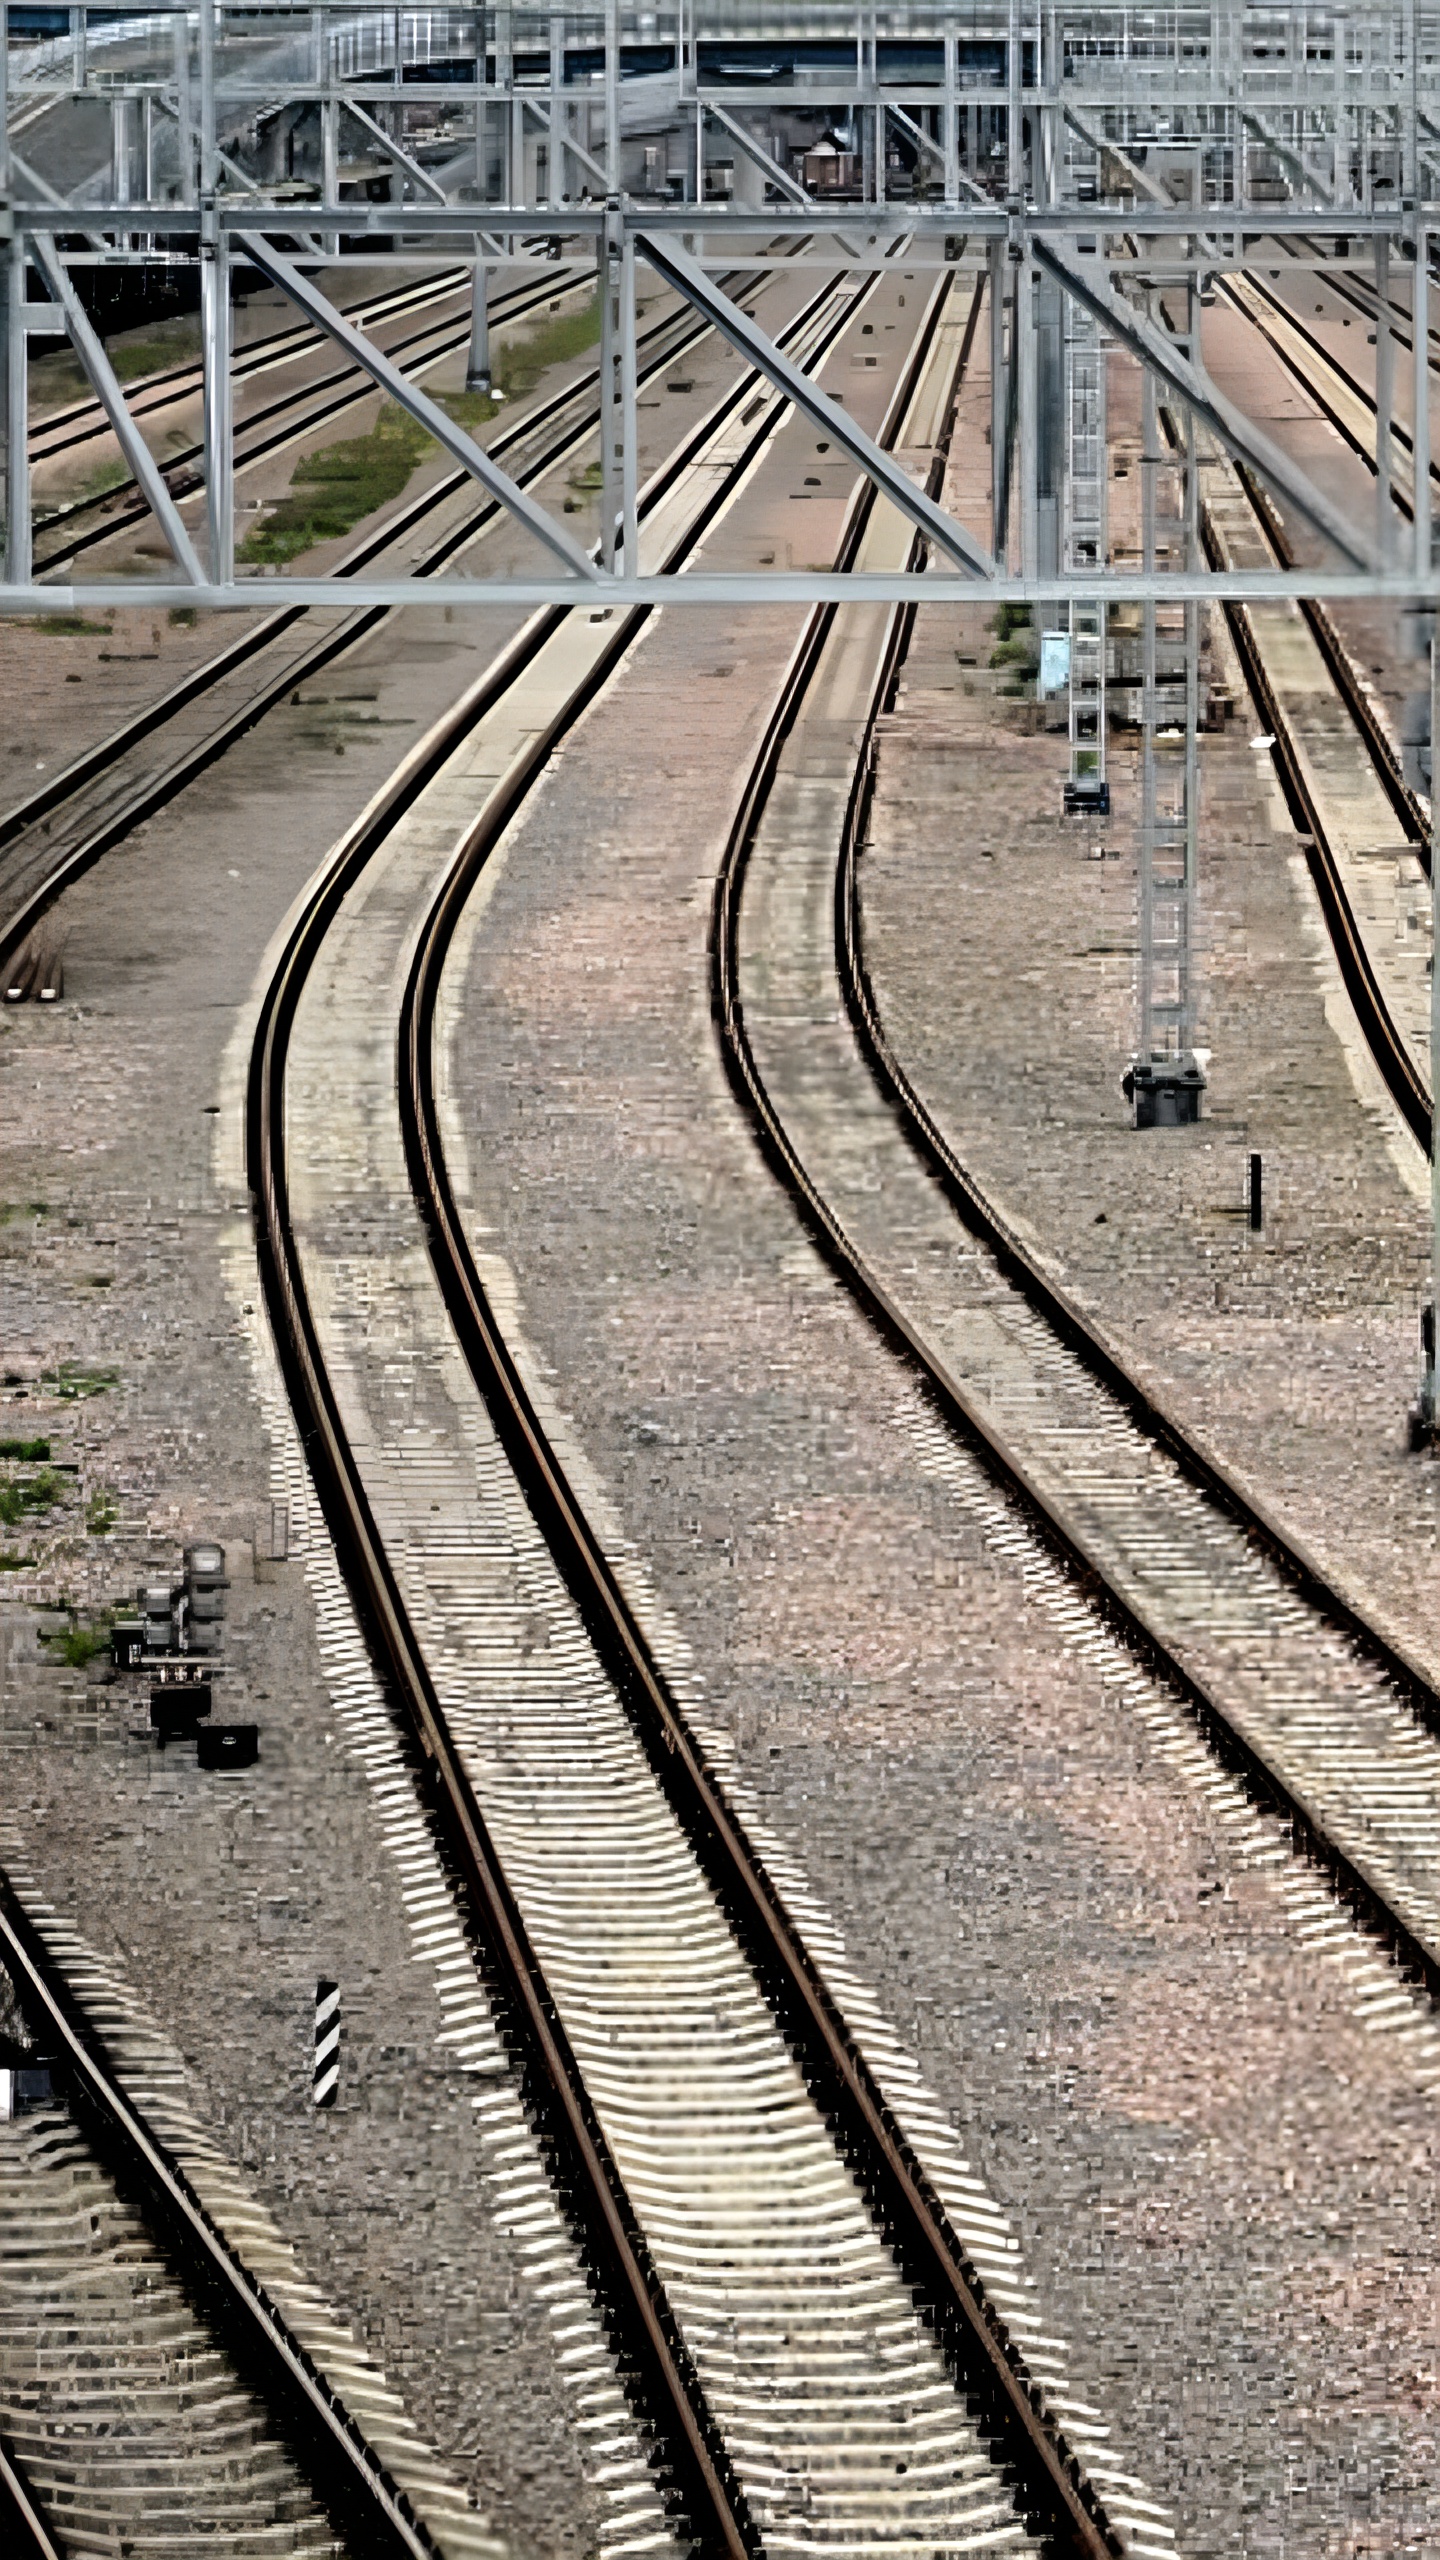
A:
<point x="1111" y="162"/>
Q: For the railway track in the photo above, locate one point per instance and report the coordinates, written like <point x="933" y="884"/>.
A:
<point x="110" y="789"/>
<point x="751" y="2197"/>
<point x="154" y="2378"/>
<point x="85" y="420"/>
<point x="1325" y="1723"/>
<point x="272" y="430"/>
<point x="1343" y="784"/>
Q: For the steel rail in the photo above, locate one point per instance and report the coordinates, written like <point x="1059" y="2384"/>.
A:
<point x="265" y="354"/>
<point x="655" y="2362"/>
<point x="184" y="480"/>
<point x="344" y="2472"/>
<point x="26" y="2532"/>
<point x="970" y="1419"/>
<point x="668" y="338"/>
<point x="1053" y="2491"/>
<point x="1316" y="391"/>
<point x="1385" y="1041"/>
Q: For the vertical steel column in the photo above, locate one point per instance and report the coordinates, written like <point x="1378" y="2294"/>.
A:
<point x="999" y="404"/>
<point x="1149" y="467"/>
<point x="219" y="442"/>
<point x="618" y="473"/>
<point x="557" y="172"/>
<point x="1085" y="491"/>
<point x="1026" y="357"/>
<point x="184" y="113"/>
<point x="1427" y="1391"/>
<point x="612" y="97"/>
<point x="17" y="419"/>
<point x="209" y="160"/>
<point x="1420" y="403"/>
<point x="1384" y="405"/>
<point x="477" y="363"/>
<point x="482" y="112"/>
<point x="950" y="122"/>
<point x="511" y="178"/>
<point x="120" y="152"/>
<point x="1014" y="110"/>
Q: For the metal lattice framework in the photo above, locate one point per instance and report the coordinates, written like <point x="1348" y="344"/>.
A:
<point x="1110" y="164"/>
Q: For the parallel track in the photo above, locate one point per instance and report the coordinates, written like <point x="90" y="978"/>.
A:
<point x="1388" y="1047"/>
<point x="287" y="419"/>
<point x="1054" y="2495"/>
<point x="1157" y="1536"/>
<point x="345" y="2476"/>
<point x="658" y="347"/>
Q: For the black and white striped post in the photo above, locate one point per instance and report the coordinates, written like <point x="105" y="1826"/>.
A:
<point x="327" y="2042"/>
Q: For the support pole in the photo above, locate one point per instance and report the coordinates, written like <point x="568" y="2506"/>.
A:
<point x="1420" y="405"/>
<point x="215" y="326"/>
<point x="612" y="97"/>
<point x="1026" y="357"/>
<point x="619" y="479"/>
<point x="1149" y="468"/>
<point x="1014" y="109"/>
<point x="1384" y="405"/>
<point x="1427" y="1390"/>
<point x="999" y="406"/>
<point x="477" y="363"/>
<point x="950" y="123"/>
<point x="17" y="420"/>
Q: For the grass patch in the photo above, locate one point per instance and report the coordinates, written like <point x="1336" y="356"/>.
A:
<point x="31" y="1453"/>
<point x="22" y="1209"/>
<point x="101" y="1513"/>
<point x="331" y="491"/>
<point x="521" y="361"/>
<point x="153" y="355"/>
<point x="12" y="1561"/>
<point x="182" y="617"/>
<point x="78" y="1644"/>
<point x="70" y="1382"/>
<point x="64" y="626"/>
<point x="24" y="1495"/>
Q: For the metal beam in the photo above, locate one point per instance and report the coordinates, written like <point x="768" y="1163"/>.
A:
<point x="789" y="187"/>
<point x="740" y="590"/>
<point x="937" y="152"/>
<point x="393" y="151"/>
<point x="144" y="468"/>
<point x="751" y="342"/>
<point x="407" y="395"/>
<point x="1099" y="140"/>
<point x="1235" y="430"/>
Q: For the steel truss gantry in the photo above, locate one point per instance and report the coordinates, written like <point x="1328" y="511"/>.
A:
<point x="1104" y="163"/>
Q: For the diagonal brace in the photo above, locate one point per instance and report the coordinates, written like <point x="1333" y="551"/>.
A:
<point x="394" y="151"/>
<point x="107" y="390"/>
<point x="1139" y="178"/>
<point x="779" y="178"/>
<point x="1235" y="430"/>
<point x="751" y="342"/>
<point x="407" y="395"/>
<point x="917" y="134"/>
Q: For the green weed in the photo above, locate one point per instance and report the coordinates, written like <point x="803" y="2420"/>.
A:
<point x="65" y="625"/>
<point x="29" y="1452"/>
<point x="70" y="1382"/>
<point x="12" y="1561"/>
<point x="520" y="363"/>
<point x="25" y="1494"/>
<point x="331" y="490"/>
<point x="101" y="1513"/>
<point x="77" y="1644"/>
<point x="151" y="355"/>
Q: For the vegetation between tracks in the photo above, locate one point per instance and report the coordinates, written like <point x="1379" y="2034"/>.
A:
<point x="333" y="490"/>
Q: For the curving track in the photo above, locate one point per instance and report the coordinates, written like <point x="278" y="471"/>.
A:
<point x="1325" y="1723"/>
<point x="695" y="2085"/>
<point x="178" y="2396"/>
<point x="82" y="812"/>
